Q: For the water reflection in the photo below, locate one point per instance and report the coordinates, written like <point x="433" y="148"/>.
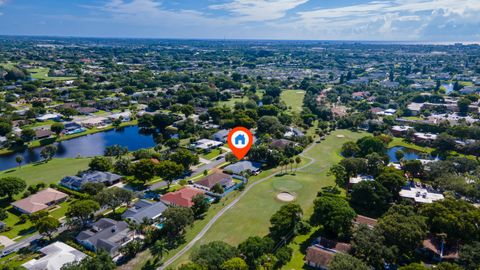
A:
<point x="86" y="146"/>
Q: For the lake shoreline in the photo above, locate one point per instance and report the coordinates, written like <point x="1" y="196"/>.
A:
<point x="36" y="143"/>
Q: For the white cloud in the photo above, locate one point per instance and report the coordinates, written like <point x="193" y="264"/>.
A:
<point x="259" y="10"/>
<point x="393" y="19"/>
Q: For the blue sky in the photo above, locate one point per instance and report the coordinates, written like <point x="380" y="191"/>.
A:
<point x="409" y="20"/>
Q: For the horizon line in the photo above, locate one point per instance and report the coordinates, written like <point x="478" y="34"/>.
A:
<point x="365" y="41"/>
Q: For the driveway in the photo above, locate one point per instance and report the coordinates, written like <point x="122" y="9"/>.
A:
<point x="5" y="241"/>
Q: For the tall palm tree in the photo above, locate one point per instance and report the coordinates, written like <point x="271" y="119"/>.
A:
<point x="291" y="161"/>
<point x="159" y="248"/>
<point x="298" y="160"/>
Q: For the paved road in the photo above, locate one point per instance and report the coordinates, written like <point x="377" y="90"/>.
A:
<point x="225" y="209"/>
<point x="213" y="164"/>
<point x="26" y="241"/>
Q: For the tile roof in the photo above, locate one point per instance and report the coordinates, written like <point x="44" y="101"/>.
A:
<point x="39" y="200"/>
<point x="214" y="178"/>
<point x="182" y="197"/>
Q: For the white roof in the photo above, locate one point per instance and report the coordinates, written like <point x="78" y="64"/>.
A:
<point x="420" y="195"/>
<point x="56" y="255"/>
<point x="207" y="143"/>
<point x="361" y="178"/>
<point x="415" y="106"/>
<point x="425" y="136"/>
<point x="401" y="128"/>
<point x="48" y="116"/>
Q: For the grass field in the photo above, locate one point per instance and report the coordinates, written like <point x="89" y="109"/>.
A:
<point x="22" y="230"/>
<point x="50" y="172"/>
<point x="213" y="154"/>
<point x="251" y="215"/>
<point x="293" y="99"/>
<point x="41" y="73"/>
<point x="8" y="65"/>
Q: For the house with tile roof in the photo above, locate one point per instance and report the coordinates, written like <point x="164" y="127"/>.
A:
<point x="209" y="181"/>
<point x="182" y="197"/>
<point x="321" y="253"/>
<point x="40" y="201"/>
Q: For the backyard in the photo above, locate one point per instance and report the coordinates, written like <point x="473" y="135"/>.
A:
<point x="48" y="173"/>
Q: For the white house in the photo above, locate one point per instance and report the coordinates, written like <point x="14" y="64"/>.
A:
<point x="56" y="255"/>
<point x="420" y="195"/>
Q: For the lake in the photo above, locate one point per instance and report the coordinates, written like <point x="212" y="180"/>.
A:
<point x="85" y="146"/>
<point x="410" y="154"/>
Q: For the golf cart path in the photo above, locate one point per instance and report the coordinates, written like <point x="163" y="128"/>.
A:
<point x="226" y="208"/>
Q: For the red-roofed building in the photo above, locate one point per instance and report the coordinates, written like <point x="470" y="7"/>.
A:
<point x="321" y="253"/>
<point x="370" y="222"/>
<point x="40" y="201"/>
<point x="182" y="197"/>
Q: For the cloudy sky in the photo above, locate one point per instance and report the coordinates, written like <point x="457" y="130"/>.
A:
<point x="399" y="20"/>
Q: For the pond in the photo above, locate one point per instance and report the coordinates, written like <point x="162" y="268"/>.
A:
<point x="85" y="146"/>
<point x="410" y="154"/>
<point x="448" y="88"/>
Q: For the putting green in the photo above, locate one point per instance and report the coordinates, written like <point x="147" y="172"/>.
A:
<point x="281" y="184"/>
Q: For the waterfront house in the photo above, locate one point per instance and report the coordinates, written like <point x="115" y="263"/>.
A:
<point x="43" y="133"/>
<point x="76" y="182"/>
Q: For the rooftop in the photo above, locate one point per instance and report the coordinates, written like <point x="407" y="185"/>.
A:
<point x="56" y="255"/>
<point x="40" y="200"/>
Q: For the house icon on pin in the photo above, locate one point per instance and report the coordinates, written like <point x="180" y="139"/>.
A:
<point x="240" y="139"/>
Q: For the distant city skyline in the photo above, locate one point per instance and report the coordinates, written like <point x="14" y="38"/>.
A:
<point x="376" y="20"/>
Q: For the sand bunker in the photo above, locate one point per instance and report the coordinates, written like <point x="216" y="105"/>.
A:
<point x="285" y="197"/>
<point x="340" y="136"/>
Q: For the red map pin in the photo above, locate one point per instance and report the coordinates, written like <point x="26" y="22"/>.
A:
<point x="240" y="140"/>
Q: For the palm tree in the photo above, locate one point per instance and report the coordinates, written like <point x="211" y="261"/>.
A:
<point x="19" y="160"/>
<point x="298" y="160"/>
<point x="159" y="248"/>
<point x="291" y="161"/>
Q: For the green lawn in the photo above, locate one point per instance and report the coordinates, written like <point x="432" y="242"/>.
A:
<point x="50" y="172"/>
<point x="214" y="153"/>
<point x="41" y="73"/>
<point x="231" y="102"/>
<point x="293" y="99"/>
<point x="8" y="65"/>
<point x="251" y="215"/>
<point x="25" y="229"/>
